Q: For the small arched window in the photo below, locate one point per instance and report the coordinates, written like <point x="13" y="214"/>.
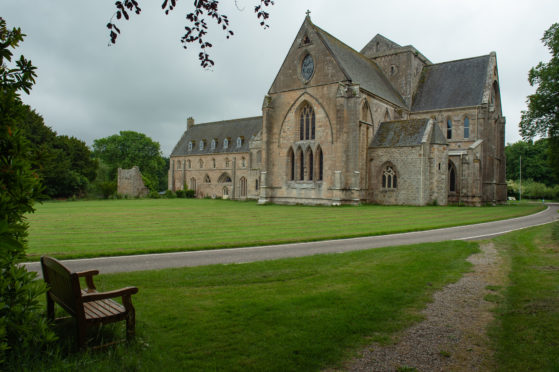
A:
<point x="239" y="141"/>
<point x="190" y="145"/>
<point x="213" y="144"/>
<point x="213" y="163"/>
<point x="226" y="162"/>
<point x="207" y="179"/>
<point x="243" y="162"/>
<point x="226" y="143"/>
<point x="193" y="184"/>
<point x="201" y="163"/>
<point x="310" y="165"/>
<point x="466" y="127"/>
<point x="188" y="164"/>
<point x="448" y="129"/>
<point x="201" y="145"/>
<point x="389" y="178"/>
<point x="256" y="185"/>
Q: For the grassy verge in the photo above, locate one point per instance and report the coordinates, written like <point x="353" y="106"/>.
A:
<point x="122" y="227"/>
<point x="300" y="314"/>
<point x="527" y="325"/>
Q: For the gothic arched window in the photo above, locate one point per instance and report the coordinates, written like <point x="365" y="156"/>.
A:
<point x="307" y="123"/>
<point x="448" y="129"/>
<point x="451" y="177"/>
<point x="320" y="163"/>
<point x="291" y="164"/>
<point x="466" y="127"/>
<point x="389" y="178"/>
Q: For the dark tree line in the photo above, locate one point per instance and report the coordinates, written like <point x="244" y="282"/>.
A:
<point x="64" y="164"/>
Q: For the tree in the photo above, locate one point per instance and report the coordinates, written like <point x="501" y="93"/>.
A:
<point x="64" y="164"/>
<point x="197" y="29"/>
<point x="128" y="149"/>
<point x="535" y="161"/>
<point x="542" y="116"/>
<point x="22" y="326"/>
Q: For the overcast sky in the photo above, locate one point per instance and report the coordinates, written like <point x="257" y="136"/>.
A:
<point x="149" y="84"/>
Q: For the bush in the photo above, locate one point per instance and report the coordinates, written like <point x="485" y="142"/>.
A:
<point x="190" y="194"/>
<point x="169" y="194"/>
<point x="181" y="193"/>
<point x="107" y="189"/>
<point x="154" y="195"/>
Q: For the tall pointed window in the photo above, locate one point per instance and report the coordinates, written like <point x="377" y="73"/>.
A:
<point x="449" y="129"/>
<point x="291" y="164"/>
<point x="300" y="159"/>
<point x="466" y="127"/>
<point x="307" y="124"/>
<point x="451" y="177"/>
<point x="320" y="162"/>
<point x="310" y="165"/>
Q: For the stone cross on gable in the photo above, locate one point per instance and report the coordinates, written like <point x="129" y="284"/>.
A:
<point x="308" y="13"/>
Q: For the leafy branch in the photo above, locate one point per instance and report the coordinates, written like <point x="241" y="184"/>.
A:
<point x="197" y="28"/>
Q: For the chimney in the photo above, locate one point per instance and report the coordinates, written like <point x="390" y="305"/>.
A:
<point x="189" y="123"/>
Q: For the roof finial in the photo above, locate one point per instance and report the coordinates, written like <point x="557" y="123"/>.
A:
<point x="308" y="13"/>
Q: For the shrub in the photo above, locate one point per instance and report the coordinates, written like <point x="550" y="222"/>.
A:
<point x="154" y="195"/>
<point x="107" y="189"/>
<point x="170" y="194"/>
<point x="181" y="193"/>
<point x="190" y="194"/>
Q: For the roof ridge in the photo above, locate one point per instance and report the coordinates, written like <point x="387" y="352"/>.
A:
<point x="228" y="120"/>
<point x="458" y="60"/>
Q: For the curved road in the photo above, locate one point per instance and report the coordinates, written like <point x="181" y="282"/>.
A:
<point x="272" y="252"/>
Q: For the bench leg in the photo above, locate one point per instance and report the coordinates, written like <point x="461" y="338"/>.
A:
<point x="81" y="334"/>
<point x="50" y="308"/>
<point x="131" y="323"/>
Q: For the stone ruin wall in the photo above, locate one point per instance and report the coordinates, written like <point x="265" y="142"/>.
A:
<point x="130" y="183"/>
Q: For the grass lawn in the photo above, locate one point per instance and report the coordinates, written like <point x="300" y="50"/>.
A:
<point x="302" y="314"/>
<point x="122" y="227"/>
<point x="526" y="331"/>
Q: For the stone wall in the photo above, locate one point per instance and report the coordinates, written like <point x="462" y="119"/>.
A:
<point x="130" y="183"/>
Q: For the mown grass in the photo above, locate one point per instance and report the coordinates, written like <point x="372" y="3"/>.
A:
<point x="300" y="314"/>
<point x="526" y="329"/>
<point x="123" y="227"/>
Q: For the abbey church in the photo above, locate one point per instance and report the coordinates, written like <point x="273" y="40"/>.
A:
<point x="383" y="125"/>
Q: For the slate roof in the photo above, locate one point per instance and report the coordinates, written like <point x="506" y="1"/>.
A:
<point x="405" y="133"/>
<point x="451" y="84"/>
<point x="246" y="128"/>
<point x="360" y="69"/>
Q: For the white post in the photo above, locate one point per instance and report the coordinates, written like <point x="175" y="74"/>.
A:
<point x="520" y="187"/>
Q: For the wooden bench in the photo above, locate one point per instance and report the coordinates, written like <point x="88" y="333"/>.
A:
<point x="87" y="306"/>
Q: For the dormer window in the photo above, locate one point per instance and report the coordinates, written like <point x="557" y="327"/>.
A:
<point x="239" y="141"/>
<point x="226" y="143"/>
<point x="201" y="146"/>
<point x="213" y="144"/>
<point x="190" y="145"/>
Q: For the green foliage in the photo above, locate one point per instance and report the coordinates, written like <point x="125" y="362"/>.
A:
<point x="536" y="161"/>
<point x="542" y="116"/>
<point x="169" y="194"/>
<point x="532" y="190"/>
<point x="190" y="194"/>
<point x="107" y="189"/>
<point x="128" y="149"/>
<point x="181" y="193"/>
<point x="63" y="163"/>
<point x="22" y="328"/>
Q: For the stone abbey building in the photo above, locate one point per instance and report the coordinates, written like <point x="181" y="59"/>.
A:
<point x="384" y="125"/>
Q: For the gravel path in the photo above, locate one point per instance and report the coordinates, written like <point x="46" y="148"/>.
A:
<point x="452" y="337"/>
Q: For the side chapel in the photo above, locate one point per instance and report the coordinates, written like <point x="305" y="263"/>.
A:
<point x="384" y="125"/>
